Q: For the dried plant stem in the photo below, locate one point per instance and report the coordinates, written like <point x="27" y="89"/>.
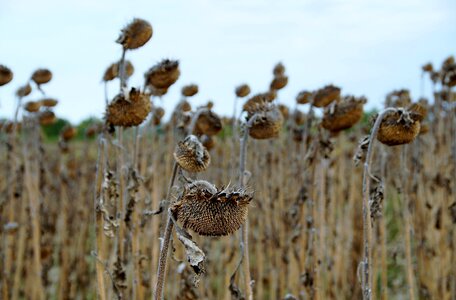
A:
<point x="33" y="194"/>
<point x="161" y="273"/>
<point x="244" y="245"/>
<point x="98" y="201"/>
<point x="120" y="210"/>
<point x="366" y="277"/>
<point x="123" y="82"/>
<point x="408" y="229"/>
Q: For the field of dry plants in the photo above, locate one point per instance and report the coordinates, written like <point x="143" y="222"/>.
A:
<point x="316" y="201"/>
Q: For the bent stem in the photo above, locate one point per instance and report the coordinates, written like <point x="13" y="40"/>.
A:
<point x="366" y="278"/>
<point x="244" y="244"/>
<point x="161" y="273"/>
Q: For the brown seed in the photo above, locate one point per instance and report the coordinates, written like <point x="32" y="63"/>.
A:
<point x="127" y="112"/>
<point x="6" y="75"/>
<point x="41" y="76"/>
<point x="279" y="82"/>
<point x="49" y="102"/>
<point x="112" y="71"/>
<point x="303" y="97"/>
<point x="268" y="122"/>
<point x="24" y="91"/>
<point x="208" y="123"/>
<point x="279" y="70"/>
<point x="190" y="90"/>
<point x="135" y="34"/>
<point x="398" y="128"/>
<point x="343" y="114"/>
<point x="163" y="75"/>
<point x="47" y="117"/>
<point x="32" y="106"/>
<point x="324" y="96"/>
<point x="210" y="211"/>
<point x="191" y="155"/>
<point x="68" y="132"/>
<point x="242" y="91"/>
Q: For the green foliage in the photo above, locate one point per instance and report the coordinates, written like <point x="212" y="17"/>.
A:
<point x="52" y="131"/>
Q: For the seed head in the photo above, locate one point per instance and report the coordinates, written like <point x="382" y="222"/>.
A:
<point x="112" y="71"/>
<point x="189" y="90"/>
<point x="135" y="34"/>
<point x="68" y="132"/>
<point x="400" y="127"/>
<point x="267" y="123"/>
<point x="208" y="123"/>
<point x="299" y="117"/>
<point x="49" y="102"/>
<point x="6" y="75"/>
<point x="284" y="110"/>
<point x="279" y="82"/>
<point x="24" y="91"/>
<point x="324" y="96"/>
<point x="208" y="142"/>
<point x="157" y="115"/>
<point x="163" y="75"/>
<point x="191" y="155"/>
<point x="258" y="100"/>
<point x="127" y="111"/>
<point x="32" y="106"/>
<point x="427" y="67"/>
<point x="41" y="76"/>
<point x="210" y="211"/>
<point x="47" y="117"/>
<point x="279" y="70"/>
<point x="344" y="114"/>
<point x="303" y="97"/>
<point x="242" y="91"/>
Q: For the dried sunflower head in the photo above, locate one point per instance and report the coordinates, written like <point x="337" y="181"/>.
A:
<point x="284" y="110"/>
<point x="344" y="114"/>
<point x="210" y="211"/>
<point x="49" y="102"/>
<point x="157" y="115"/>
<point x="32" y="106"/>
<point x="191" y="155"/>
<point x="279" y="70"/>
<point x="303" y="97"/>
<point x="324" y="96"/>
<point x="6" y="75"/>
<point x="400" y="127"/>
<point x="267" y="121"/>
<point x="208" y="123"/>
<point x="135" y="34"/>
<point x="398" y="98"/>
<point x="127" y="111"/>
<point x="68" y="132"/>
<point x="47" y="117"/>
<point x="190" y="90"/>
<point x="427" y="67"/>
<point x="112" y="71"/>
<point x="257" y="100"/>
<point x="163" y="74"/>
<point x="279" y="82"/>
<point x="242" y="91"/>
<point x="41" y="76"/>
<point x="24" y="91"/>
<point x="207" y="141"/>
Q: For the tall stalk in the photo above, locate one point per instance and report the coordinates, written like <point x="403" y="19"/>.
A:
<point x="366" y="277"/>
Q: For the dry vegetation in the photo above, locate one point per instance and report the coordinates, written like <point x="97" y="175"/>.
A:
<point x="272" y="203"/>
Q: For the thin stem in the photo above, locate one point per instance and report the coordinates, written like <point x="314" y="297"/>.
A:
<point x="366" y="278"/>
<point x="123" y="82"/>
<point x="244" y="245"/>
<point x="161" y="273"/>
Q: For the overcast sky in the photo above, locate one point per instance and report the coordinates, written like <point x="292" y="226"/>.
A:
<point x="367" y="47"/>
